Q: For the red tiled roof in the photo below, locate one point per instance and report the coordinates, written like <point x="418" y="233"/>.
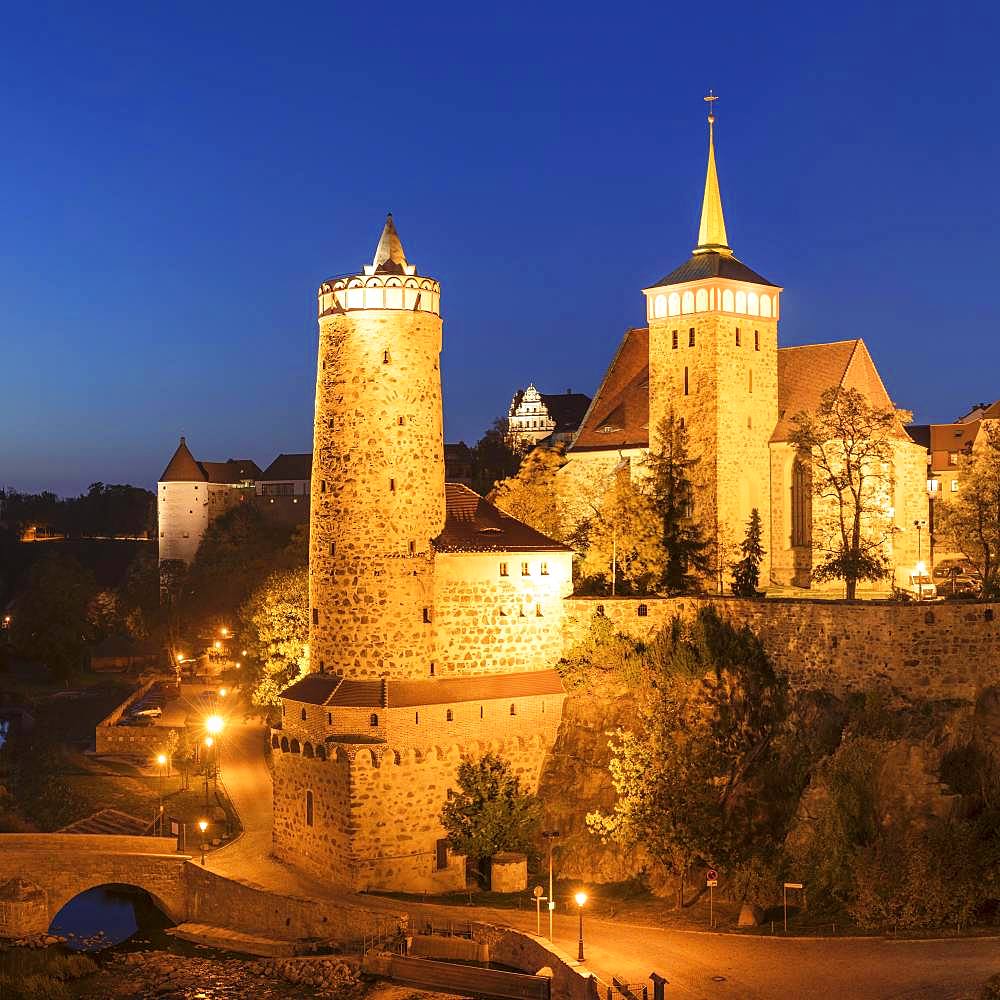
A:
<point x="473" y="524"/>
<point x="619" y="415"/>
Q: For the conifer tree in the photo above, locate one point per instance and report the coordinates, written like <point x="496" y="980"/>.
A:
<point x="746" y="571"/>
<point x="671" y="489"/>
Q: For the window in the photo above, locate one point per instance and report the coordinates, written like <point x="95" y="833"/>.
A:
<point x="432" y="668"/>
<point x="385" y="357"/>
<point x="392" y="485"/>
<point x="954" y="486"/>
<point x="685" y="380"/>
<point x="441" y="855"/>
<point x="691" y="337"/>
<point x="278" y="489"/>
<point x="480" y="711"/>
<point x="756" y="340"/>
<point x="525" y="570"/>
<point x="682" y="423"/>
<point x="163" y="534"/>
<point x="933" y="485"/>
<point x="642" y="611"/>
<point x="673" y="337"/>
<point x="503" y="569"/>
<point x="322" y="486"/>
<point x="309" y="808"/>
<point x="315" y="616"/>
<point x="303" y="714"/>
<point x="400" y="421"/>
<point x="953" y="458"/>
<point x="600" y="610"/>
<point x="329" y="718"/>
<point x="427" y="616"/>
<point x="538" y="611"/>
<point x="373" y="719"/>
<point x="330" y="423"/>
<point x="333" y="548"/>
<point x="544" y="570"/>
<point x="513" y="709"/>
<point x="750" y="380"/>
<point x="449" y="716"/>
<point x="749" y="423"/>
<point x="413" y="548"/>
<point x="801" y="507"/>
<point x="737" y="336"/>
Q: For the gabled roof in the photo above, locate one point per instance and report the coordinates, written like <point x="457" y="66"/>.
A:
<point x="183" y="468"/>
<point x="805" y="373"/>
<point x="618" y="417"/>
<point x="473" y="524"/>
<point x="233" y="470"/>
<point x="334" y="690"/>
<point x="982" y="411"/>
<point x="288" y="467"/>
<point x="712" y="265"/>
<point x="567" y="409"/>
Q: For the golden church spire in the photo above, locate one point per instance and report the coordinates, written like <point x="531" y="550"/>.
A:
<point x="712" y="231"/>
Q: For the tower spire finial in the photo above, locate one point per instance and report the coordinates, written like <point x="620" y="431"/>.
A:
<point x="712" y="231"/>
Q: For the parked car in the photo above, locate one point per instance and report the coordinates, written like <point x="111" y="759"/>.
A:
<point x="917" y="585"/>
<point x="153" y="712"/>
<point x="957" y="578"/>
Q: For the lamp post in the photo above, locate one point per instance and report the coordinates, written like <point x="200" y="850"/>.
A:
<point x="549" y="836"/>
<point x="208" y="751"/>
<point x="203" y="826"/>
<point x="581" y="898"/>
<point x="161" y="759"/>
<point x="921" y="569"/>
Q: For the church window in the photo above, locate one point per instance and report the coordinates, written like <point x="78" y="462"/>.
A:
<point x="373" y="719"/>
<point x="753" y="304"/>
<point x="800" y="504"/>
<point x="701" y="300"/>
<point x="674" y="304"/>
<point x="756" y="340"/>
<point x="544" y="569"/>
<point x="309" y="808"/>
<point x="737" y="336"/>
<point x="642" y="610"/>
<point x="687" y="302"/>
<point x="741" y="302"/>
<point x="503" y="569"/>
<point x="427" y="616"/>
<point x="691" y="337"/>
<point x="513" y="709"/>
<point x="685" y="380"/>
<point x="449" y="716"/>
<point x="315" y="616"/>
<point x="525" y="569"/>
<point x="727" y="300"/>
<point x="673" y="340"/>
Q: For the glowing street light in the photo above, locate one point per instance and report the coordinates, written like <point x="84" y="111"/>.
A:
<point x="203" y="826"/>
<point x="180" y="657"/>
<point x="223" y="692"/>
<point x="581" y="898"/>
<point x="224" y="632"/>
<point x="217" y="644"/>
<point x="161" y="759"/>
<point x="214" y="723"/>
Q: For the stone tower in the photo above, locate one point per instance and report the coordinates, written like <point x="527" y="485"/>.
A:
<point x="713" y="360"/>
<point x="378" y="469"/>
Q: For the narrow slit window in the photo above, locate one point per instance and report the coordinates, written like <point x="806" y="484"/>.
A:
<point x="449" y="716"/>
<point x="503" y="569"/>
<point x="333" y="548"/>
<point x="322" y="486"/>
<point x="750" y="380"/>
<point x="737" y="336"/>
<point x="674" y="340"/>
<point x="544" y="569"/>
<point x="513" y="709"/>
<point x="685" y="380"/>
<point x="427" y="616"/>
<point x="331" y="423"/>
<point x="525" y="569"/>
<point x="385" y="357"/>
<point x="392" y="485"/>
<point x="413" y="548"/>
<point x="315" y="616"/>
<point x="756" y="340"/>
<point x="691" y="337"/>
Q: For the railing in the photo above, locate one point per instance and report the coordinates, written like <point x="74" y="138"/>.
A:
<point x="618" y="989"/>
<point x="460" y="928"/>
<point x="388" y="935"/>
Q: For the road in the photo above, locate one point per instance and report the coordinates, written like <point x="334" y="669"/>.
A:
<point x="699" y="966"/>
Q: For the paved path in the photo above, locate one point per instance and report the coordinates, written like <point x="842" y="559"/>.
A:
<point x="751" y="968"/>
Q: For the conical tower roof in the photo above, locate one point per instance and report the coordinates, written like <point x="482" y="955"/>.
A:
<point x="389" y="256"/>
<point x="183" y="468"/>
<point x="712" y="231"/>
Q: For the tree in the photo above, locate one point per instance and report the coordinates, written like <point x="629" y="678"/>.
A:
<point x="671" y="489"/>
<point x="623" y="539"/>
<point x="490" y="812"/>
<point x="970" y="519"/>
<point x="50" y="619"/>
<point x="494" y="458"/>
<point x="848" y="443"/>
<point x="687" y="777"/>
<point x="532" y="495"/>
<point x="746" y="572"/>
<point x="275" y="629"/>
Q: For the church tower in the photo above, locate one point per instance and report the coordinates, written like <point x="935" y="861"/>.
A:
<point x="713" y="361"/>
<point x="378" y="494"/>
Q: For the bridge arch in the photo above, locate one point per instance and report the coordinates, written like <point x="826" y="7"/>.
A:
<point x="85" y="918"/>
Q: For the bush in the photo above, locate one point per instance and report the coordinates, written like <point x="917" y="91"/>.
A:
<point x="35" y="987"/>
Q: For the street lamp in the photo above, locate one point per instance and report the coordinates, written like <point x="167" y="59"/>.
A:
<point x="224" y="632"/>
<point x="203" y="826"/>
<point x="214" y="724"/>
<point x="208" y="747"/>
<point x="581" y="898"/>
<point x="161" y="759"/>
<point x="223" y="692"/>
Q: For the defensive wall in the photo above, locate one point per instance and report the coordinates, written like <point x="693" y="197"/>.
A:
<point x="139" y="741"/>
<point x="938" y="651"/>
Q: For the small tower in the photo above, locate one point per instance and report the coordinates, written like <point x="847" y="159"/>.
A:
<point x="182" y="509"/>
<point x="713" y="360"/>
<point x="378" y="469"/>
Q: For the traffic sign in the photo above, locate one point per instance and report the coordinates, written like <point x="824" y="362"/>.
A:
<point x="539" y="891"/>
<point x="711" y="874"/>
<point x="793" y="885"/>
<point x="711" y="883"/>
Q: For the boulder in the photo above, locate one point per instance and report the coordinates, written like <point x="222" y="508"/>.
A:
<point x="751" y="915"/>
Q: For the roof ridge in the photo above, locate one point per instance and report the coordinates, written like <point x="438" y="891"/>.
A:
<point x="825" y="343"/>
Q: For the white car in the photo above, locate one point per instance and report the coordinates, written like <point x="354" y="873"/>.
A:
<point x="149" y="713"/>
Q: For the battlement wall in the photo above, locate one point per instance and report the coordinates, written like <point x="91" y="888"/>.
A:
<point x="941" y="650"/>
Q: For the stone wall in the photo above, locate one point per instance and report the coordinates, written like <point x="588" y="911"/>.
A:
<point x="944" y="650"/>
<point x="486" y="623"/>
<point x="136" y="741"/>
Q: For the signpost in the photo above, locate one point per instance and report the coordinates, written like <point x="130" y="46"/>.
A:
<point x="550" y="835"/>
<point x="784" y="898"/>
<point x="711" y="880"/>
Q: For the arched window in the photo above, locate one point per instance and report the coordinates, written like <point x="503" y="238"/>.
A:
<point x="373" y="719"/>
<point x="801" y="505"/>
<point x="741" y="301"/>
<point x="727" y="300"/>
<point x="687" y="302"/>
<point x="765" y="305"/>
<point x="701" y="300"/>
<point x="660" y="306"/>
<point x="674" y="304"/>
<point x="753" y="304"/>
<point x="309" y="808"/>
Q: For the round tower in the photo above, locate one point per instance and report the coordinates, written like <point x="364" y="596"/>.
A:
<point x="378" y="469"/>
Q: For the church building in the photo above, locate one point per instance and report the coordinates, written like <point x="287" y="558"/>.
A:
<point x="710" y="356"/>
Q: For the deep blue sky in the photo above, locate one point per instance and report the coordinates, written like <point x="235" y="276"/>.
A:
<point x="176" y="179"/>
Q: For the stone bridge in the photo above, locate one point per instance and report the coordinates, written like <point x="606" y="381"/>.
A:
<point x="41" y="872"/>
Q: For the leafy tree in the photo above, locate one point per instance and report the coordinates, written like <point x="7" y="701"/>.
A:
<point x="746" y="572"/>
<point x="687" y="776"/>
<point x="490" y="812"/>
<point x="275" y="630"/>
<point x="50" y="621"/>
<point x="624" y="540"/>
<point x="970" y="519"/>
<point x="671" y="488"/>
<point x="494" y="458"/>
<point x="532" y="495"/>
<point x="848" y="443"/>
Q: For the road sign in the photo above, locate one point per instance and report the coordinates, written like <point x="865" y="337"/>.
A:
<point x="539" y="891"/>
<point x="793" y="885"/>
<point x="711" y="883"/>
<point x="711" y="874"/>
